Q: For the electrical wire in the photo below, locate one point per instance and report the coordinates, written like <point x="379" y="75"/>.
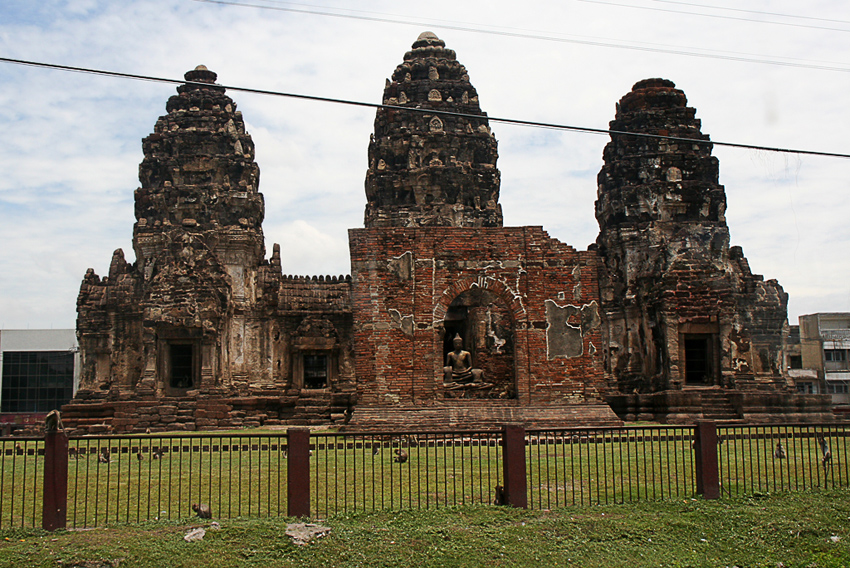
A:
<point x="740" y="19"/>
<point x="687" y="52"/>
<point x="503" y="120"/>
<point x="794" y="16"/>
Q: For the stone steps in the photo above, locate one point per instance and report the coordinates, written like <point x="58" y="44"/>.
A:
<point x="716" y="406"/>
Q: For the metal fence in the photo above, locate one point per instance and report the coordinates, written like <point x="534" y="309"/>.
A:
<point x="587" y="466"/>
<point x="94" y="481"/>
<point x="117" y="479"/>
<point x="760" y="459"/>
<point x="403" y="470"/>
<point x="21" y="475"/>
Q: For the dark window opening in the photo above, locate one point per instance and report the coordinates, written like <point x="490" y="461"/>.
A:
<point x="795" y="361"/>
<point x="182" y="365"/>
<point x="315" y="371"/>
<point x="698" y="362"/>
<point x="835" y="354"/>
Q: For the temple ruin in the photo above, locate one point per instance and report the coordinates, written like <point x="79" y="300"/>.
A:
<point x="448" y="318"/>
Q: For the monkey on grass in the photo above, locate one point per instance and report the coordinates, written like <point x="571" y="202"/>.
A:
<point x="203" y="510"/>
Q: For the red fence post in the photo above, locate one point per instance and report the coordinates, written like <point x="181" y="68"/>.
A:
<point x="298" y="472"/>
<point x="705" y="459"/>
<point x="513" y="466"/>
<point x="54" y="510"/>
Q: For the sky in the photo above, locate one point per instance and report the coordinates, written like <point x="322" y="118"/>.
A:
<point x="775" y="73"/>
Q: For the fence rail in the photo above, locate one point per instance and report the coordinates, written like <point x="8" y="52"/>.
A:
<point x="92" y="481"/>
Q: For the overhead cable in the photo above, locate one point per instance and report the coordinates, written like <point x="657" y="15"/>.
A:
<point x="737" y="18"/>
<point x="513" y="121"/>
<point x="687" y="52"/>
<point x="761" y="12"/>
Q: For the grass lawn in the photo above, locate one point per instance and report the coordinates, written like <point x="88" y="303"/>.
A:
<point x="804" y="529"/>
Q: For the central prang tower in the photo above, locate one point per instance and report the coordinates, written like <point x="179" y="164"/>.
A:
<point x="427" y="168"/>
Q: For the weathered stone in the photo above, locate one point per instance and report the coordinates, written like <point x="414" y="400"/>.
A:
<point x="203" y="331"/>
<point x="427" y="168"/>
<point x="681" y="306"/>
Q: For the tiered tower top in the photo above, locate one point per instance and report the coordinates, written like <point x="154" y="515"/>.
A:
<point x="656" y="180"/>
<point x="432" y="159"/>
<point x="198" y="176"/>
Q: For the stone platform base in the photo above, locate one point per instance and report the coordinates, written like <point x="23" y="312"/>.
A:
<point x="722" y="405"/>
<point x="479" y="415"/>
<point x="210" y="412"/>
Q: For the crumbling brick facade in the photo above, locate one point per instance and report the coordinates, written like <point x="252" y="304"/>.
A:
<point x="202" y="331"/>
<point x="425" y="168"/>
<point x="681" y="307"/>
<point x="448" y="318"/>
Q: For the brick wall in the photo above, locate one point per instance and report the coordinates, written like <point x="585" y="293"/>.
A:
<point x="404" y="282"/>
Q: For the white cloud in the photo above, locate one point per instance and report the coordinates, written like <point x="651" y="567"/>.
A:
<point x="72" y="143"/>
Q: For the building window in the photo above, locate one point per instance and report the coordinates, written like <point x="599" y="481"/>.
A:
<point x="37" y="381"/>
<point x="834" y="354"/>
<point x="835" y="359"/>
<point x="315" y="371"/>
<point x="837" y="387"/>
<point x="807" y="388"/>
<point x="795" y="361"/>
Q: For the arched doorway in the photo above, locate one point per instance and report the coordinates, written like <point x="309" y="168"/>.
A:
<point x="485" y="323"/>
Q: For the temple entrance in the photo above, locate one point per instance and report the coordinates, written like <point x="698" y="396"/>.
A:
<point x="181" y="365"/>
<point x="484" y="324"/>
<point x="700" y="364"/>
<point x="315" y="371"/>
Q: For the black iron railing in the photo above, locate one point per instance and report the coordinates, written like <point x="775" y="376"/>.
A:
<point x="93" y="481"/>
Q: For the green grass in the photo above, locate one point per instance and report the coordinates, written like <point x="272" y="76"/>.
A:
<point x="806" y="529"/>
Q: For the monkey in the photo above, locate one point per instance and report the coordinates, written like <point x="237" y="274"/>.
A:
<point x="53" y="422"/>
<point x="203" y="510"/>
<point x="500" y="496"/>
<point x="780" y="453"/>
<point x="147" y="430"/>
<point x="400" y="455"/>
<point x="826" y="460"/>
<point x="104" y="456"/>
<point x="375" y="449"/>
<point x="139" y="456"/>
<point x="72" y="453"/>
<point x="18" y="449"/>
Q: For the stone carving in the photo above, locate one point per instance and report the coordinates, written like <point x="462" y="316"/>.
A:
<point x="674" y="292"/>
<point x="427" y="169"/>
<point x="201" y="314"/>
<point x="459" y="373"/>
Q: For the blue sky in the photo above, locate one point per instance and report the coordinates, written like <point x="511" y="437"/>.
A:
<point x="72" y="142"/>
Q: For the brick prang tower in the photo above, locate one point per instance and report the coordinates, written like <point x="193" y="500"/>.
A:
<point x="427" y="168"/>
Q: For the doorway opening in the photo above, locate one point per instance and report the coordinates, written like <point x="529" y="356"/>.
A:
<point x="700" y="365"/>
<point x="182" y="358"/>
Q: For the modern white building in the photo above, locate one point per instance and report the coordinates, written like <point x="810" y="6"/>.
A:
<point x="39" y="371"/>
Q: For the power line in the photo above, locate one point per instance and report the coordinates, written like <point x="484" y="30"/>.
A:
<point x="740" y="19"/>
<point x="503" y="120"/>
<point x="781" y="15"/>
<point x="687" y="52"/>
